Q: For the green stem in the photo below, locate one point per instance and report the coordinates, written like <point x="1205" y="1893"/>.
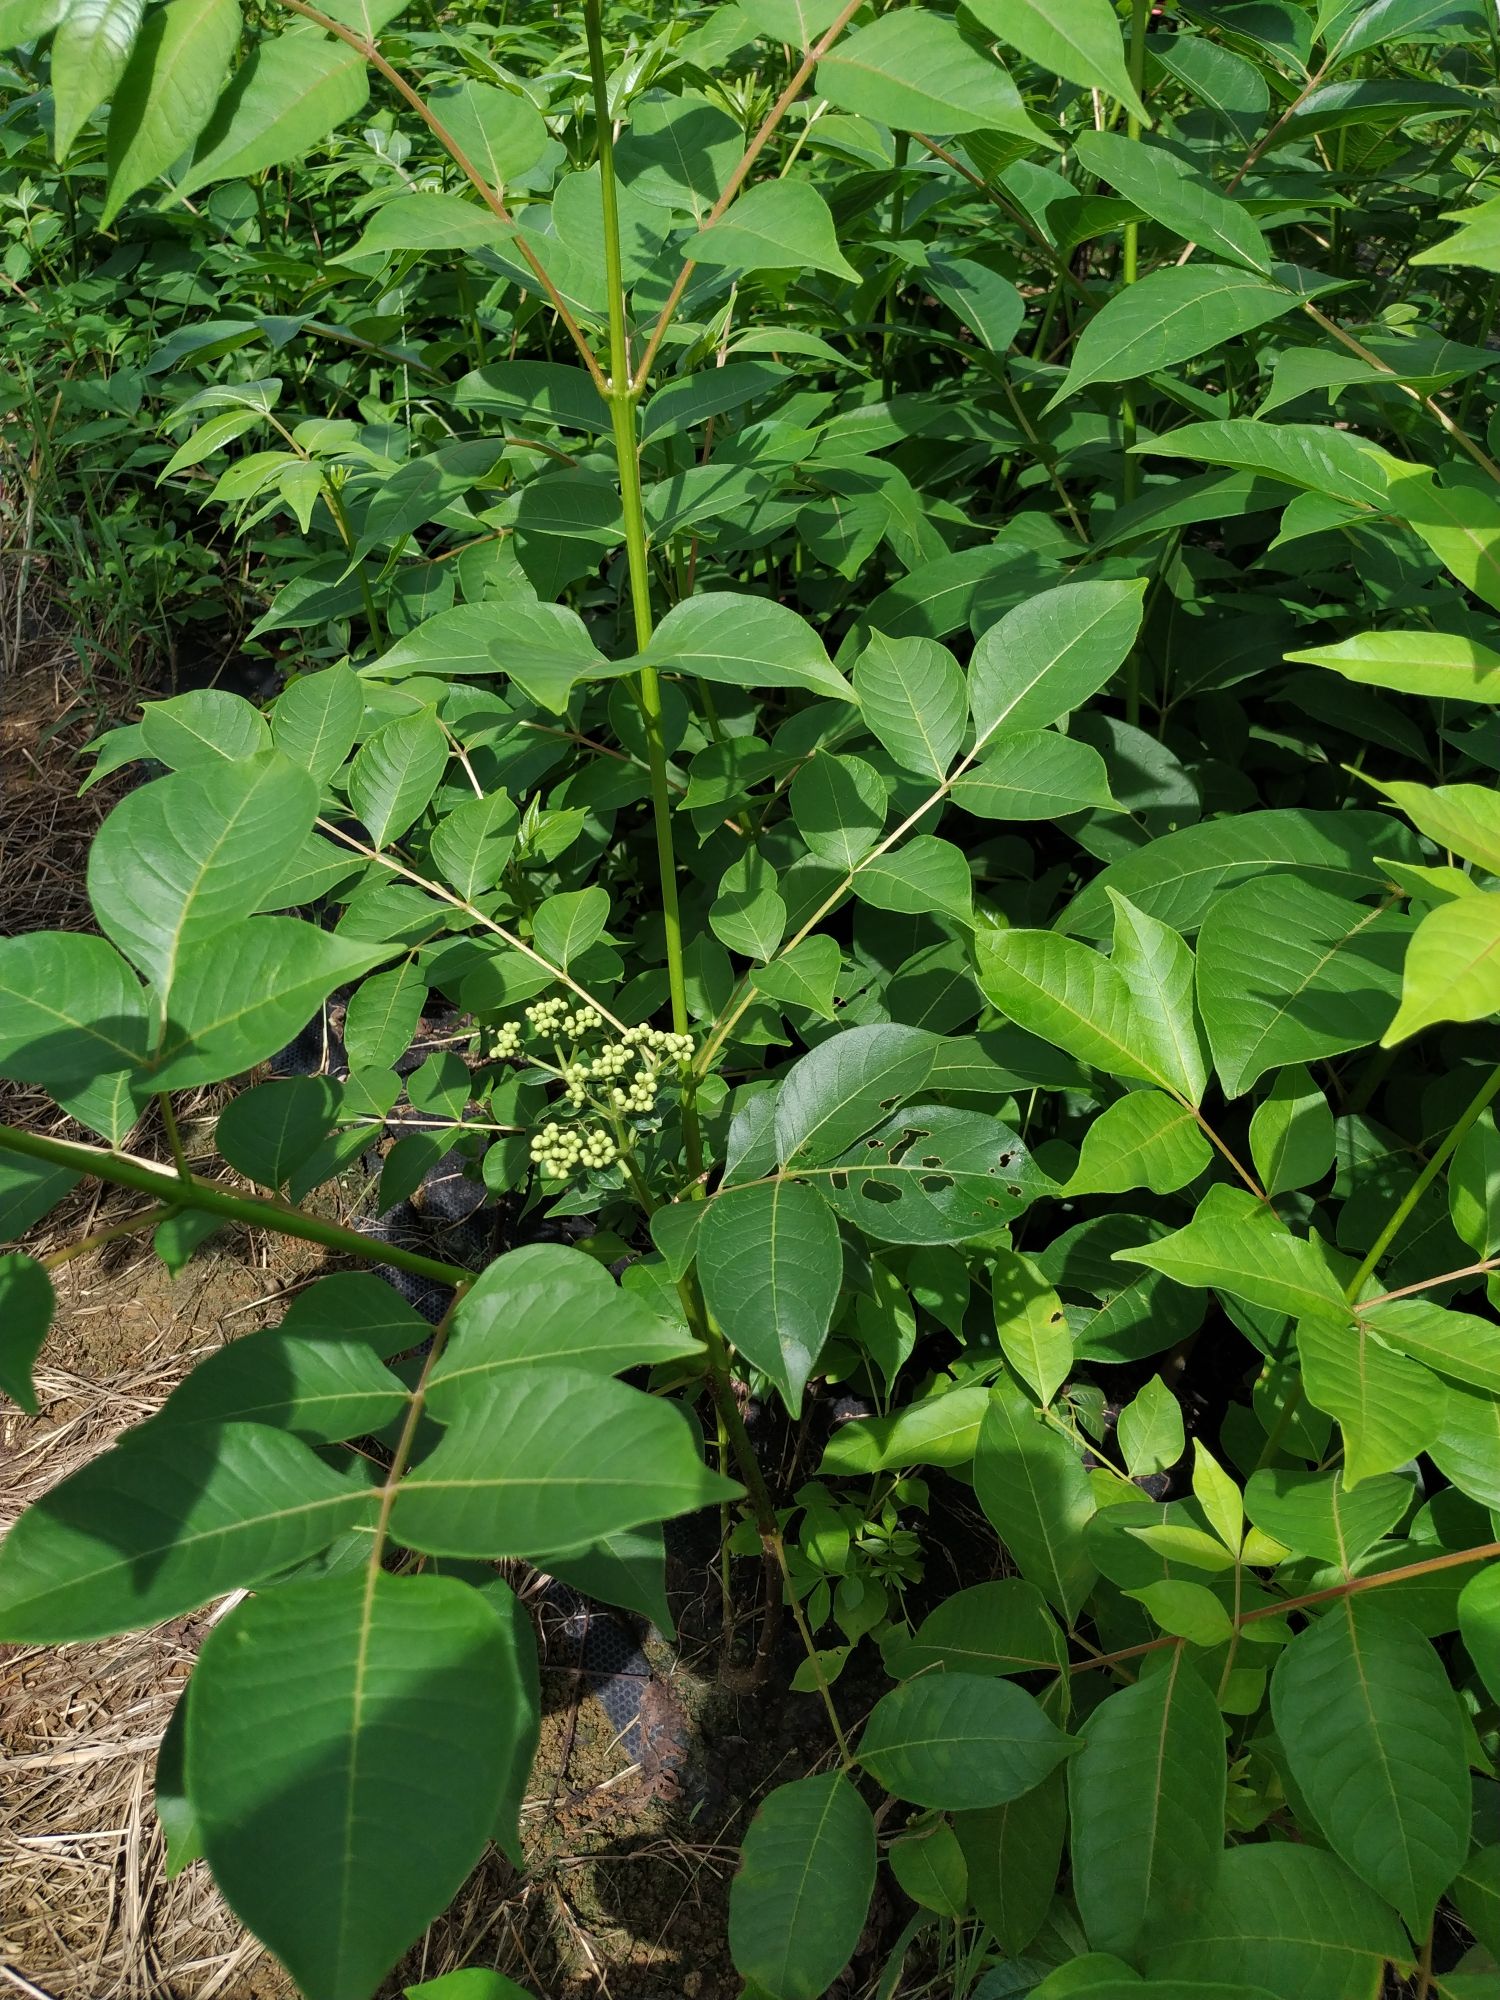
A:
<point x="622" y="397"/>
<point x="174" y="1137"/>
<point x="1139" y="14"/>
<point x="888" y="303"/>
<point x="254" y="1211"/>
<point x="1429" y="1566"/>
<point x="145" y="1218"/>
<point x="1480" y="1102"/>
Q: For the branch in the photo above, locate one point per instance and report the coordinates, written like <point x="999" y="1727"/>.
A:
<point x="737" y="179"/>
<point x="493" y="202"/>
<point x="254" y="1211"/>
<point x="1454" y="1559"/>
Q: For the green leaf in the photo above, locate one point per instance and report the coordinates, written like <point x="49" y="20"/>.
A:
<point x="1070" y="995"/>
<point x="1146" y="1796"/>
<point x="382" y="1016"/>
<point x="934" y="1430"/>
<point x="1372" y="1733"/>
<point x="470" y="1982"/>
<point x="1292" y="1917"/>
<point x="1456" y="1344"/>
<point x="546" y="1303"/>
<point x="1452" y="970"/>
<point x="1479" y="1622"/>
<point x="1288" y="973"/>
<point x="628" y="1570"/>
<point x="324" y="1385"/>
<point x="499" y="131"/>
<point x="543" y="648"/>
<point x="269" y="1130"/>
<point x="932" y="1174"/>
<point x="989" y="305"/>
<point x="1081" y="42"/>
<point x="317" y="718"/>
<point x="914" y="71"/>
<point x="244" y="993"/>
<point x="167" y="94"/>
<point x="846" y="1085"/>
<point x="74" y="1012"/>
<point x="205" y="726"/>
<point x="1035" y="774"/>
<point x="1236" y="1245"/>
<point x="1315" y="1514"/>
<point x="1311" y="456"/>
<point x="1167" y="189"/>
<point x="924" y="874"/>
<point x="89" y="53"/>
<point x="506" y="1478"/>
<point x="747" y="914"/>
<point x="1291" y="1133"/>
<point x="776" y="225"/>
<point x="1150" y="1429"/>
<point x="472" y="844"/>
<point x="839" y="807"/>
<point x="1178" y="877"/>
<point x="1475" y="1894"/>
<point x="27" y="1302"/>
<point x="392" y="780"/>
<point x="771" y="1267"/>
<point x="1450" y="666"/>
<point x="1387" y="1407"/>
<point x="28" y="1190"/>
<point x="1186" y="1610"/>
<point x="1474" y="1186"/>
<point x="1459" y="521"/>
<point x="151" y="1529"/>
<point x="311" y="1707"/>
<point x="1172" y="315"/>
<point x="1036" y="1496"/>
<point x="1013" y="1853"/>
<point x="805" y="976"/>
<point x="1145" y="1139"/>
<point x="1030" y="1324"/>
<point x="929" y="1867"/>
<point x="1048" y="655"/>
<point x="565" y="926"/>
<point x="1003" y="1627"/>
<point x="960" y="1741"/>
<point x="1476" y="241"/>
<point x="747" y="642"/>
<point x="295" y="88"/>
<point x="1158" y="970"/>
<point x="180" y="861"/>
<point x="799" y="1901"/>
<point x="914" y="700"/>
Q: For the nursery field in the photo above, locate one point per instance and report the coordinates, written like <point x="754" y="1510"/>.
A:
<point x="749" y="958"/>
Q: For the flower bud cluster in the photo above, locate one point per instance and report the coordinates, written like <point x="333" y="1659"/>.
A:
<point x="619" y="1077"/>
<point x="560" y="1150"/>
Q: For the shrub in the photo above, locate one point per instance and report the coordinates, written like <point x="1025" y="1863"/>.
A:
<point x="893" y="608"/>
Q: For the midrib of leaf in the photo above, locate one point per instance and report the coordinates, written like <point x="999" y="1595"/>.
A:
<point x="1200" y="300"/>
<point x="1283" y="1007"/>
<point x="87" y="1027"/>
<point x="1161" y="1760"/>
<point x="356" y="1722"/>
<point x="1345" y="1610"/>
<point x="188" y="1541"/>
<point x="164" y="985"/>
<point x="805" y="1879"/>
